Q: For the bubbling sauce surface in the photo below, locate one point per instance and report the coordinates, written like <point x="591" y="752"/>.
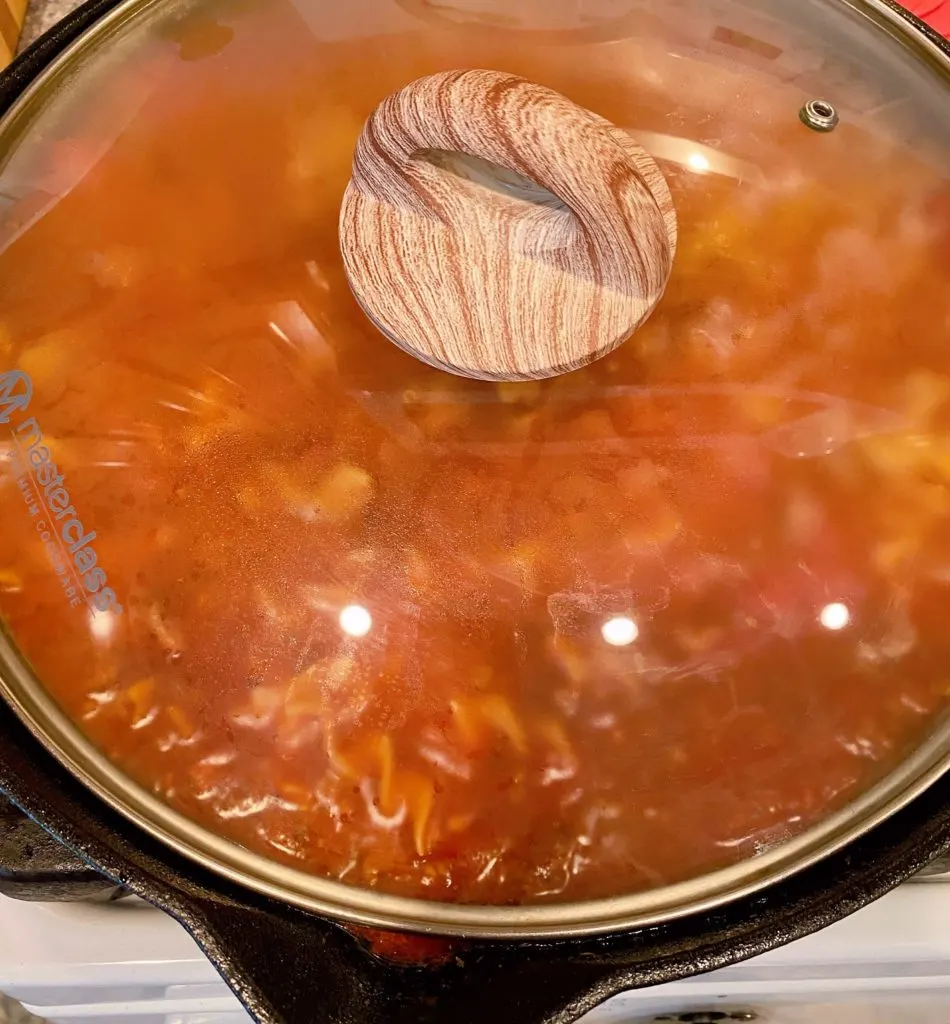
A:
<point x="449" y="639"/>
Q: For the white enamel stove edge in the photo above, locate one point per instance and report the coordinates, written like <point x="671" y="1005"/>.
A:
<point x="126" y="963"/>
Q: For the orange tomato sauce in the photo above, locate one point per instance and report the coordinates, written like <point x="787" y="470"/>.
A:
<point x="612" y="630"/>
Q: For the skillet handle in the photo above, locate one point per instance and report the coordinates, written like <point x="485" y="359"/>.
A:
<point x="35" y="866"/>
<point x="289" y="967"/>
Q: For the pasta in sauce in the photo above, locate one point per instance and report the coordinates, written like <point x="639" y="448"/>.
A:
<point x="475" y="642"/>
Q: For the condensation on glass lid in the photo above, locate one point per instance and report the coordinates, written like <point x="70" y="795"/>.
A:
<point x="471" y="642"/>
<point x="578" y="20"/>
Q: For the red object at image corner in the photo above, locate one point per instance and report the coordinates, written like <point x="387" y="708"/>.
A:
<point x="935" y="12"/>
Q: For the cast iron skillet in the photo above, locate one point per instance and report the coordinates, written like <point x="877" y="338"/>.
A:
<point x="291" y="967"/>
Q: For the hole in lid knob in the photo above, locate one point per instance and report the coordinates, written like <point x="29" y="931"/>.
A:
<point x="490" y="175"/>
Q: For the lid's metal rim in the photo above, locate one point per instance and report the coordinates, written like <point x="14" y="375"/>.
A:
<point x="62" y="738"/>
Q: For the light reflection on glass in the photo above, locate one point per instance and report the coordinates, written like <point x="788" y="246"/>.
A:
<point x="619" y="631"/>
<point x="355" y="620"/>
<point x="698" y="162"/>
<point x="835" y="616"/>
<point x="102" y="625"/>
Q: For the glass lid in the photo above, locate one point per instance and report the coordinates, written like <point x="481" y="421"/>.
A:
<point x="474" y="641"/>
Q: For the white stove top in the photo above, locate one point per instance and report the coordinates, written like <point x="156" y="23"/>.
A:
<point x="127" y="963"/>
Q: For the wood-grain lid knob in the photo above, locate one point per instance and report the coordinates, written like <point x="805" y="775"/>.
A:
<point x="497" y="230"/>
